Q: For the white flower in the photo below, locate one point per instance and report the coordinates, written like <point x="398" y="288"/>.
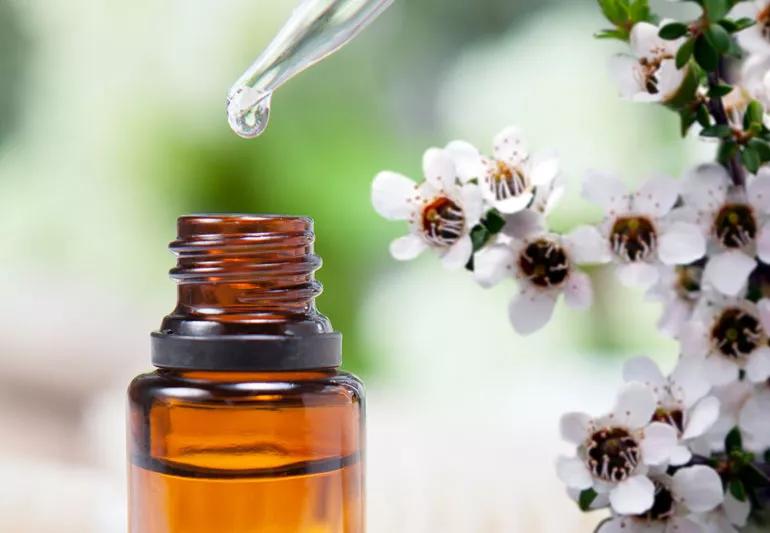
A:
<point x="755" y="78"/>
<point x="636" y="228"/>
<point x="616" y="452"/>
<point x="726" y="518"/>
<point x="753" y="420"/>
<point x="682" y="400"/>
<point x="734" y="218"/>
<point x="545" y="265"/>
<point x="441" y="210"/>
<point x="508" y="180"/>
<point x="755" y="39"/>
<point x="732" y="398"/>
<point x="678" y="288"/>
<point x="728" y="335"/>
<point x="690" y="491"/>
<point x="651" y="74"/>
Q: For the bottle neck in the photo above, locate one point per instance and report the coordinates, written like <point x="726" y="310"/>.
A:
<point x="245" y="275"/>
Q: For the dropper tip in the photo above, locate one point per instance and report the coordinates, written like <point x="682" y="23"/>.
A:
<point x="248" y="111"/>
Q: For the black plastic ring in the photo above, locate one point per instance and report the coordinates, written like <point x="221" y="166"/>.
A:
<point x="262" y="353"/>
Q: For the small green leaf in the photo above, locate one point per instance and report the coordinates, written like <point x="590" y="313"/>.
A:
<point x="493" y="221"/>
<point x="729" y="25"/>
<point x="743" y="23"/>
<point x="734" y="440"/>
<point x="705" y="54"/>
<point x="639" y="11"/>
<point x="703" y="117"/>
<point x="479" y="237"/>
<point x="615" y="11"/>
<point x="673" y="31"/>
<point x="720" y="131"/>
<point x="685" y="53"/>
<point x="718" y="37"/>
<point x="716" y="9"/>
<point x="750" y="159"/>
<point x="620" y="34"/>
<point x="762" y="147"/>
<point x="687" y="119"/>
<point x="727" y="151"/>
<point x="718" y="91"/>
<point x="586" y="498"/>
<point x="755" y="114"/>
<point x="738" y="490"/>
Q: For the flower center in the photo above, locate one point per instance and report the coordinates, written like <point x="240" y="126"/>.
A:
<point x="633" y="238"/>
<point x="507" y="181"/>
<point x="672" y="417"/>
<point x="443" y="222"/>
<point x="649" y="74"/>
<point x="544" y="263"/>
<point x="688" y="280"/>
<point x="736" y="333"/>
<point x="735" y="226"/>
<point x="662" y="506"/>
<point x="613" y="454"/>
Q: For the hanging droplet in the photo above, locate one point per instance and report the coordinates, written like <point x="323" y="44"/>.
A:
<point x="248" y="111"/>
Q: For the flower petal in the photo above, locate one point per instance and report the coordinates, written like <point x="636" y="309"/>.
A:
<point x="623" y="70"/>
<point x="681" y="243"/>
<point x="458" y="255"/>
<point x="763" y="243"/>
<point x="635" y="405"/>
<point x="408" y="247"/>
<point x="439" y="168"/>
<point x="472" y="204"/>
<point x="574" y="427"/>
<point x="644" y="40"/>
<point x="719" y="370"/>
<point x="524" y="224"/>
<point x="607" y="192"/>
<point x="514" y="204"/>
<point x="687" y="382"/>
<point x="680" y="456"/>
<point x="656" y="197"/>
<point x="705" y="187"/>
<point x="578" y="293"/>
<point x="637" y="275"/>
<point x="632" y="496"/>
<point x="763" y="306"/>
<point x="545" y="168"/>
<point x="509" y="146"/>
<point x="680" y="524"/>
<point x="728" y="271"/>
<point x="758" y="190"/>
<point x="694" y="342"/>
<point x="643" y="370"/>
<point x="698" y="487"/>
<point x="573" y="472"/>
<point x="587" y="246"/>
<point x="758" y="365"/>
<point x="754" y="420"/>
<point x="392" y="194"/>
<point x="737" y="512"/>
<point x="467" y="159"/>
<point x="659" y="443"/>
<point x="530" y="311"/>
<point x="702" y="416"/>
<point x="493" y="264"/>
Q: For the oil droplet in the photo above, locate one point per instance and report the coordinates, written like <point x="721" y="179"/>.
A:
<point x="248" y="111"/>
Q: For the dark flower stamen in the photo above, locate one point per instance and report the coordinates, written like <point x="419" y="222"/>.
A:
<point x="735" y="226"/>
<point x="633" y="238"/>
<point x="688" y="281"/>
<point x="736" y="333"/>
<point x="672" y="417"/>
<point x="613" y="454"/>
<point x="443" y="222"/>
<point x="662" y="507"/>
<point x="544" y="263"/>
<point x="506" y="181"/>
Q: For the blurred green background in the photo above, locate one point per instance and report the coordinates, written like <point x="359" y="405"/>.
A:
<point x="112" y="124"/>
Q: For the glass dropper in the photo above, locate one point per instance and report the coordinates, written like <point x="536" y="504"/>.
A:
<point x="316" y="29"/>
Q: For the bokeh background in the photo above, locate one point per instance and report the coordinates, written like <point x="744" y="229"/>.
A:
<point x="112" y="124"/>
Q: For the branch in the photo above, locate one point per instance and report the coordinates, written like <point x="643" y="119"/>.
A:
<point x="717" y="109"/>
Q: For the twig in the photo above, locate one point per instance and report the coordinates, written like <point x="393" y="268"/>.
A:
<point x="717" y="109"/>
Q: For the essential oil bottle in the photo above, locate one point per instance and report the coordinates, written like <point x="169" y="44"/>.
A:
<point x="247" y="425"/>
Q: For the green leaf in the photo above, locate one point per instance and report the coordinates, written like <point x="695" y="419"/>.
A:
<point x="743" y="23"/>
<point x="685" y="53"/>
<point x="703" y="117"/>
<point x="755" y="114"/>
<point x="727" y="151"/>
<point x="729" y="25"/>
<point x="762" y="147"/>
<point x="639" y="11"/>
<point x="493" y="221"/>
<point x="718" y="37"/>
<point x="716" y="9"/>
<point x="615" y="11"/>
<point x="619" y="34"/>
<point x="705" y="54"/>
<point x="720" y="131"/>
<point x="738" y="490"/>
<point x="586" y="498"/>
<point x="688" y="118"/>
<point x="479" y="237"/>
<point x="718" y="91"/>
<point x="673" y="31"/>
<point x="733" y="440"/>
<point x="750" y="159"/>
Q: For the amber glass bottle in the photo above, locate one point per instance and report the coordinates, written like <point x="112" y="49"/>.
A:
<point x="247" y="426"/>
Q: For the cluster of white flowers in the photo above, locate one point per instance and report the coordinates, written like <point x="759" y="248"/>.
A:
<point x="687" y="452"/>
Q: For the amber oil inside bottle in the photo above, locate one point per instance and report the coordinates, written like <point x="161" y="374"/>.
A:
<point x="248" y="425"/>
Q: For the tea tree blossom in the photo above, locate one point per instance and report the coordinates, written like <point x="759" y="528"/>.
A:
<point x="441" y="211"/>
<point x="615" y="453"/>
<point x="637" y="230"/>
<point x="650" y="74"/>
